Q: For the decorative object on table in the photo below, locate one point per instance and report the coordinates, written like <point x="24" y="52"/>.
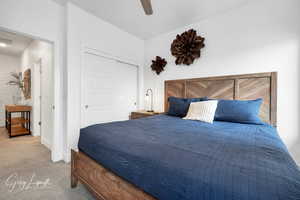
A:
<point x="158" y="64"/>
<point x="148" y="92"/>
<point x="187" y="47"/>
<point x="17" y="80"/>
<point x="27" y="84"/>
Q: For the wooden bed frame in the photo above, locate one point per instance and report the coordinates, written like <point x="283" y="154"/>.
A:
<point x="106" y="185"/>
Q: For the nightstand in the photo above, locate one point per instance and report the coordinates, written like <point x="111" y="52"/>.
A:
<point x="143" y="113"/>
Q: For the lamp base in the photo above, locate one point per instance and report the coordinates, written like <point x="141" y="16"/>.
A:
<point x="150" y="110"/>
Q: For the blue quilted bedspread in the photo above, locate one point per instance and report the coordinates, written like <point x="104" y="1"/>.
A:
<point x="175" y="159"/>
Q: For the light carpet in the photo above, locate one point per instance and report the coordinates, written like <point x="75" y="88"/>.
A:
<point x="26" y="172"/>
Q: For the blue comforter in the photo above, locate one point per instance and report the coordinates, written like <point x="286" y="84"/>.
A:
<point x="175" y="159"/>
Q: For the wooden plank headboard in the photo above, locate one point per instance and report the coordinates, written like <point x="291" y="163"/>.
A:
<point x="242" y="87"/>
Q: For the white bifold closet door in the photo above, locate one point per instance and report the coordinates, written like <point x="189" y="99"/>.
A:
<point x="108" y="90"/>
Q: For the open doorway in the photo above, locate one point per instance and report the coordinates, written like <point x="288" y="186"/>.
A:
<point x="26" y="89"/>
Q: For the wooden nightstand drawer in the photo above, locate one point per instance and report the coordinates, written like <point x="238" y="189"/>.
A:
<point x="142" y="114"/>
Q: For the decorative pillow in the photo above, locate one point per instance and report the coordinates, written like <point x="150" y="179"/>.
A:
<point x="179" y="106"/>
<point x="239" y="111"/>
<point x="203" y="111"/>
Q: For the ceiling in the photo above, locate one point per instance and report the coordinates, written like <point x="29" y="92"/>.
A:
<point x="168" y="14"/>
<point x="19" y="43"/>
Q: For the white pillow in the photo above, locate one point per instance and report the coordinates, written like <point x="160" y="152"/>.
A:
<point x="202" y="111"/>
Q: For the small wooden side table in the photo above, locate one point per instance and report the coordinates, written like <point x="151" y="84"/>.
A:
<point x="17" y="126"/>
<point x="143" y="113"/>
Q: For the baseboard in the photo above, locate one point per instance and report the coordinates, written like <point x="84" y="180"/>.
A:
<point x="47" y="144"/>
<point x="67" y="157"/>
<point x="57" y="158"/>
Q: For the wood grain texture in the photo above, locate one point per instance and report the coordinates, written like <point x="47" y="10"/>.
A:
<point x="257" y="88"/>
<point x="17" y="108"/>
<point x="274" y="98"/>
<point x="174" y="89"/>
<point x="17" y="126"/>
<point x="239" y="87"/>
<point x="210" y="88"/>
<point x="103" y="184"/>
<point x="27" y="84"/>
<point x="142" y="113"/>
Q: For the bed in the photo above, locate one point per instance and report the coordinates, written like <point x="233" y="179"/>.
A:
<point x="168" y="158"/>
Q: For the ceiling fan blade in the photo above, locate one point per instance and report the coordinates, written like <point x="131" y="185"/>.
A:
<point x="147" y="6"/>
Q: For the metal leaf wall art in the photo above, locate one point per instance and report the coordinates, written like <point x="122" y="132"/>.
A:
<point x="187" y="47"/>
<point x="158" y="64"/>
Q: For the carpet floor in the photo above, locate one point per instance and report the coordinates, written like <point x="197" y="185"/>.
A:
<point x="26" y="172"/>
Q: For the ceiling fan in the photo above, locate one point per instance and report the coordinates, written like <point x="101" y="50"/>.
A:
<point x="147" y="6"/>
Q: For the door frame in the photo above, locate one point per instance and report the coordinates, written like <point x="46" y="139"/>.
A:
<point x="37" y="99"/>
<point x="103" y="54"/>
<point x="57" y="144"/>
<point x="37" y="102"/>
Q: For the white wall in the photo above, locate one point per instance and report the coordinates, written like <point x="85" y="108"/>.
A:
<point x="36" y="51"/>
<point x="45" y="20"/>
<point x="8" y="64"/>
<point x="258" y="37"/>
<point x="86" y="30"/>
<point x="262" y="36"/>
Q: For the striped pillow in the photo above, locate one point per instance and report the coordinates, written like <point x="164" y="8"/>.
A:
<point x="202" y="111"/>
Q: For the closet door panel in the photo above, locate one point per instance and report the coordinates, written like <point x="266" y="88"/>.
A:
<point x="109" y="90"/>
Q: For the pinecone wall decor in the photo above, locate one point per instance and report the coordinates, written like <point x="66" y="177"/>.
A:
<point x="186" y="47"/>
<point x="158" y="65"/>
